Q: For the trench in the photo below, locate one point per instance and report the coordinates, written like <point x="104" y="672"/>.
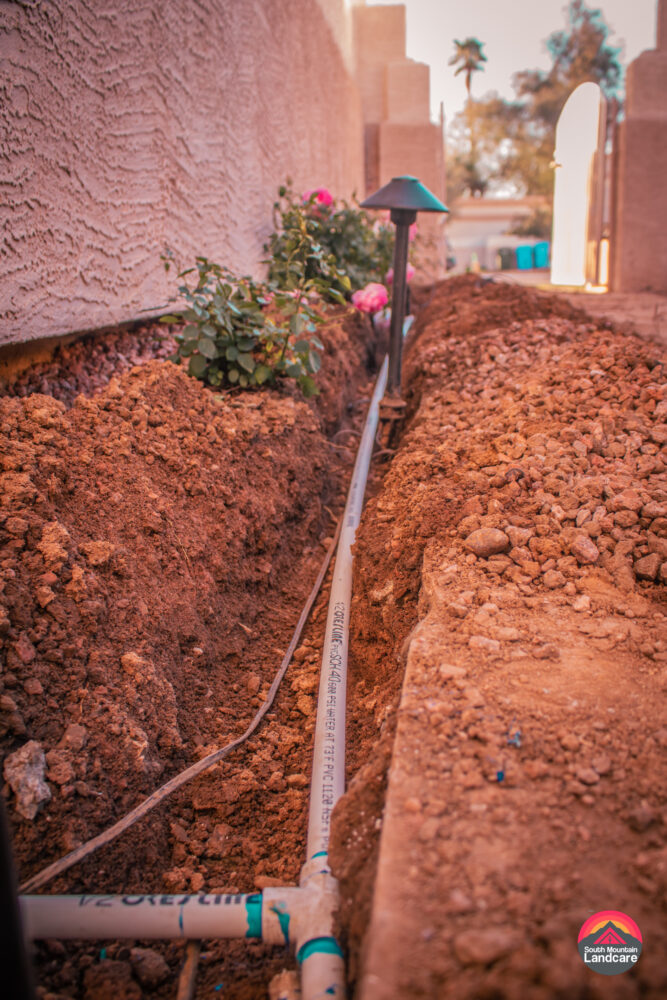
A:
<point x="262" y="829"/>
<point x="258" y="830"/>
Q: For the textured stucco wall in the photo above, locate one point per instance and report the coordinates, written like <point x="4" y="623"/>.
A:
<point x="135" y="124"/>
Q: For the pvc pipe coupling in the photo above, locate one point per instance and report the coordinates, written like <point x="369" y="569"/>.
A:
<point x="300" y="916"/>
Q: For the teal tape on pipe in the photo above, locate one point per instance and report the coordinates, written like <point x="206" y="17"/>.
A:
<point x="283" y="920"/>
<point x="319" y="946"/>
<point x="253" y="909"/>
<point x="321" y="854"/>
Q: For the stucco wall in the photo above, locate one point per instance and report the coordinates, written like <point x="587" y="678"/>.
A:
<point x="136" y="124"/>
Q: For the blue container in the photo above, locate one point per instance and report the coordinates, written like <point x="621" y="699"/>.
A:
<point x="541" y="254"/>
<point x="524" y="258"/>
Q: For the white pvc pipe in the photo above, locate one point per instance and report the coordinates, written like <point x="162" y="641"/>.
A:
<point x="303" y="916"/>
<point x="142" y="916"/>
<point x="328" y="779"/>
<point x="323" y="975"/>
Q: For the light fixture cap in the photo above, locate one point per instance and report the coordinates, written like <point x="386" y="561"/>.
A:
<point x="405" y="193"/>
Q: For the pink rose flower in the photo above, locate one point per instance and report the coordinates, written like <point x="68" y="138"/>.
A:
<point x="389" y="276"/>
<point x="412" y="232"/>
<point x="322" y="196"/>
<point x="370" y="299"/>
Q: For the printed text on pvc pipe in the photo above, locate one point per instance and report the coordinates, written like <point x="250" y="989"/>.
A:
<point x="334" y="678"/>
<point x="160" y="900"/>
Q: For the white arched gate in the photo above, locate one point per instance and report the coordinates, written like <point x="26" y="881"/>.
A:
<point x="579" y="188"/>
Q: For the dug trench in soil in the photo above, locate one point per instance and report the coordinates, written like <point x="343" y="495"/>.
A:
<point x="515" y="556"/>
<point x="158" y="542"/>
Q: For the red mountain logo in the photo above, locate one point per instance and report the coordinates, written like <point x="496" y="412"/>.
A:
<point x="609" y="936"/>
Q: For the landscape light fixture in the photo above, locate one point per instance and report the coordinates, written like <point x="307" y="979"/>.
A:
<point x="404" y="197"/>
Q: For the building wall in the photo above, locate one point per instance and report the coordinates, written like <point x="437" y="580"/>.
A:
<point x="399" y="137"/>
<point x="140" y="124"/>
<point x="407" y="92"/>
<point x="379" y="38"/>
<point x="639" y="233"/>
<point x="414" y="149"/>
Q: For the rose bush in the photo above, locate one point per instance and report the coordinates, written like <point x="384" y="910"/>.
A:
<point x="370" y="299"/>
<point x="343" y="235"/>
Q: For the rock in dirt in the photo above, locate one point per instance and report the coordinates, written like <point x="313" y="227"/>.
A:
<point x="74" y="737"/>
<point x="60" y="769"/>
<point x="553" y="579"/>
<point x="584" y="549"/>
<point x="24" y="770"/>
<point x="149" y="967"/>
<point x="647" y="568"/>
<point x="487" y="542"/>
<point x="587" y="776"/>
<point x="641" y="817"/>
<point x="111" y="980"/>
<point x="484" y="644"/>
<point x="253" y="683"/>
<point x="24" y="649"/>
<point x="483" y="947"/>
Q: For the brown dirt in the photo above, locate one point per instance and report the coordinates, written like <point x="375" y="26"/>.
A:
<point x="158" y="542"/>
<point x="197" y="552"/>
<point x="83" y="366"/>
<point x="526" y="418"/>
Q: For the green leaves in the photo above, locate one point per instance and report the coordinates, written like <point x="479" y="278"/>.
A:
<point x="197" y="365"/>
<point x="246" y="361"/>
<point x="263" y="374"/>
<point x="243" y="334"/>
<point x="334" y="250"/>
<point x="207" y="347"/>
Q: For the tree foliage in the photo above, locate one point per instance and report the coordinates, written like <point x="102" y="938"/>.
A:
<point x="514" y="140"/>
<point x="468" y="57"/>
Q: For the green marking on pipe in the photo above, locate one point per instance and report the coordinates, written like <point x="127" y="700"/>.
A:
<point x="253" y="909"/>
<point x="319" y="946"/>
<point x="283" y="920"/>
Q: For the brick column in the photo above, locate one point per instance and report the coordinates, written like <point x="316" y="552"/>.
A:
<point x="639" y="237"/>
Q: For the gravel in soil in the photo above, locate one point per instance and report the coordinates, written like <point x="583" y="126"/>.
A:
<point x="515" y="556"/>
<point x="157" y="545"/>
<point x="158" y="542"/>
<point x="86" y="365"/>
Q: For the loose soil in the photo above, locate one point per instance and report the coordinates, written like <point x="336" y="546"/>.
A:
<point x="158" y="542"/>
<point x="83" y="366"/>
<point x="516" y="557"/>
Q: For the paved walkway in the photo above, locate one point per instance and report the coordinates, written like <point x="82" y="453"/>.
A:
<point x="644" y="313"/>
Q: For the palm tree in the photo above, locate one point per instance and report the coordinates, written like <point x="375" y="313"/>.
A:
<point x="470" y="59"/>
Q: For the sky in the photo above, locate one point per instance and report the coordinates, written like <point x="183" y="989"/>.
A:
<point x="513" y="32"/>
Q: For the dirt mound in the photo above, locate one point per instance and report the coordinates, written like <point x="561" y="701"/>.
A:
<point x="523" y="525"/>
<point x="86" y="365"/>
<point x="157" y="541"/>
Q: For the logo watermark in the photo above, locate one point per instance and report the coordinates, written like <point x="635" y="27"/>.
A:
<point x="610" y="942"/>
